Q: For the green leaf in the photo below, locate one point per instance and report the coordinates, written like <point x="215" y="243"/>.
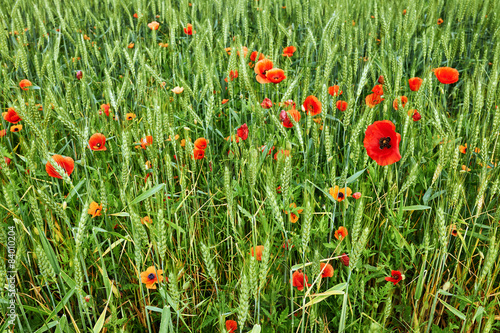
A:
<point x="354" y="177"/>
<point x="255" y="329"/>
<point x="417" y="207"/>
<point x="148" y="193"/>
<point x="453" y="310"/>
<point x="166" y="320"/>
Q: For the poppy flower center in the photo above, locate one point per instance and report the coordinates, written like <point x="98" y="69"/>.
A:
<point x="98" y="145"/>
<point x="395" y="276"/>
<point x="340" y="195"/>
<point x="151" y="276"/>
<point x="385" y="143"/>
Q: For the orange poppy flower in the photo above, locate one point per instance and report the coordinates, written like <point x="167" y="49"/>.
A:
<point x="254" y="55"/>
<point x="245" y="52"/>
<point x="163" y="44"/>
<point x="312" y="106"/>
<point x="198" y="153"/>
<point x="382" y="142"/>
<point x="275" y="75"/>
<point x="231" y="326"/>
<point x="67" y="163"/>
<point x="373" y="99"/>
<point x="131" y="45"/>
<point x="97" y="142"/>
<point x="463" y="149"/>
<point x="201" y="143"/>
<point x="105" y="109"/>
<point x="334" y="90"/>
<point x="232" y="75"/>
<point x="224" y="101"/>
<point x="95" y="209"/>
<point x="286" y="120"/>
<point x="130" y="116"/>
<point x="440" y="21"/>
<point x="228" y="50"/>
<point x="340" y="194"/>
<point x="3" y="133"/>
<point x="415" y="83"/>
<point x="404" y="11"/>
<point x="341" y="233"/>
<point x="446" y="75"/>
<point x="147" y="141"/>
<point x="146" y="219"/>
<point x="326" y="269"/>
<point x="261" y="69"/>
<point x="281" y="152"/>
<point x="378" y="89"/>
<point x="189" y="29"/>
<point x="342" y="105"/>
<point x="298" y="279"/>
<point x="135" y="15"/>
<point x="177" y="90"/>
<point x="153" y="25"/>
<point x="151" y="276"/>
<point x="258" y="252"/>
<point x="403" y="100"/>
<point x="288" y="51"/>
<point x="293" y="217"/>
<point x="11" y="116"/>
<point x="464" y="168"/>
<point x="24" y="84"/>
<point x="16" y="128"/>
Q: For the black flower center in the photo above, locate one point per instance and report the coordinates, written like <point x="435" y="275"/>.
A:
<point x="151" y="276"/>
<point x="385" y="143"/>
<point x="395" y="276"/>
<point x="340" y="195"/>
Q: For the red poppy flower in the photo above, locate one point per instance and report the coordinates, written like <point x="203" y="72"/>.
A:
<point x="11" y="116"/>
<point x="24" y="84"/>
<point x="201" y="143"/>
<point x="284" y="117"/>
<point x="242" y="131"/>
<point x="232" y="75"/>
<point x="231" y="326"/>
<point x="79" y="75"/>
<point x="312" y="105"/>
<point x="105" y="109"/>
<point x="275" y="75"/>
<point x="327" y="270"/>
<point x="224" y="101"/>
<point x="266" y="103"/>
<point x="135" y="15"/>
<point x="341" y="233"/>
<point x="373" y="99"/>
<point x="396" y="102"/>
<point x="198" y="153"/>
<point x="270" y="149"/>
<point x="381" y="79"/>
<point x="415" y="83"/>
<point x="258" y="252"/>
<point x="378" y="89"/>
<point x="416" y="116"/>
<point x="67" y="163"/>
<point x="281" y="152"/>
<point x="254" y="55"/>
<point x="288" y="51"/>
<point x="97" y="142"/>
<point x="395" y="277"/>
<point x="147" y="141"/>
<point x="446" y="75"/>
<point x="382" y="142"/>
<point x="334" y="91"/>
<point x="342" y="105"/>
<point x="189" y="29"/>
<point x="345" y="259"/>
<point x="261" y="69"/>
<point x="298" y="280"/>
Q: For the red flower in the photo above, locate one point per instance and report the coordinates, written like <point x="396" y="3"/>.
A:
<point x="3" y="133"/>
<point x="261" y="68"/>
<point x="381" y="79"/>
<point x="356" y="195"/>
<point x="342" y="105"/>
<point x="334" y="91"/>
<point x="341" y="233"/>
<point x="11" y="116"/>
<point x="201" y="143"/>
<point x="395" y="277"/>
<point x="243" y="131"/>
<point x="396" y="102"/>
<point x="298" y="280"/>
<point x="373" y="99"/>
<point x="224" y="101"/>
<point x="286" y="121"/>
<point x="189" y="29"/>
<point x="327" y="270"/>
<point x="135" y="15"/>
<point x="258" y="252"/>
<point x="446" y="75"/>
<point x="105" y="108"/>
<point x="288" y="51"/>
<point x="382" y="142"/>
<point x="312" y="105"/>
<point x="232" y="75"/>
<point x="67" y="163"/>
<point x="24" y="84"/>
<point x="198" y="153"/>
<point x="378" y="89"/>
<point x="254" y="54"/>
<point x="231" y="326"/>
<point x="275" y="75"/>
<point x="415" y="83"/>
<point x="345" y="259"/>
<point x="266" y="103"/>
<point x="416" y="116"/>
<point x="79" y="75"/>
<point x="97" y="142"/>
<point x="147" y="141"/>
<point x="270" y="149"/>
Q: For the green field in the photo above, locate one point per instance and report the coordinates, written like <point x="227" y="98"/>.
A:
<point x="250" y="166"/>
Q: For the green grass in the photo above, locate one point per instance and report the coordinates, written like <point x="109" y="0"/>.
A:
<point x="424" y="215"/>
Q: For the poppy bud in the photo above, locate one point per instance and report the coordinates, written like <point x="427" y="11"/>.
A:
<point x="381" y="79"/>
<point x="79" y="75"/>
<point x="356" y="195"/>
<point x="416" y="116"/>
<point x="87" y="298"/>
<point x="345" y="259"/>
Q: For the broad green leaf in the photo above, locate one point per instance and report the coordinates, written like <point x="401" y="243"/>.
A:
<point x="148" y="193"/>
